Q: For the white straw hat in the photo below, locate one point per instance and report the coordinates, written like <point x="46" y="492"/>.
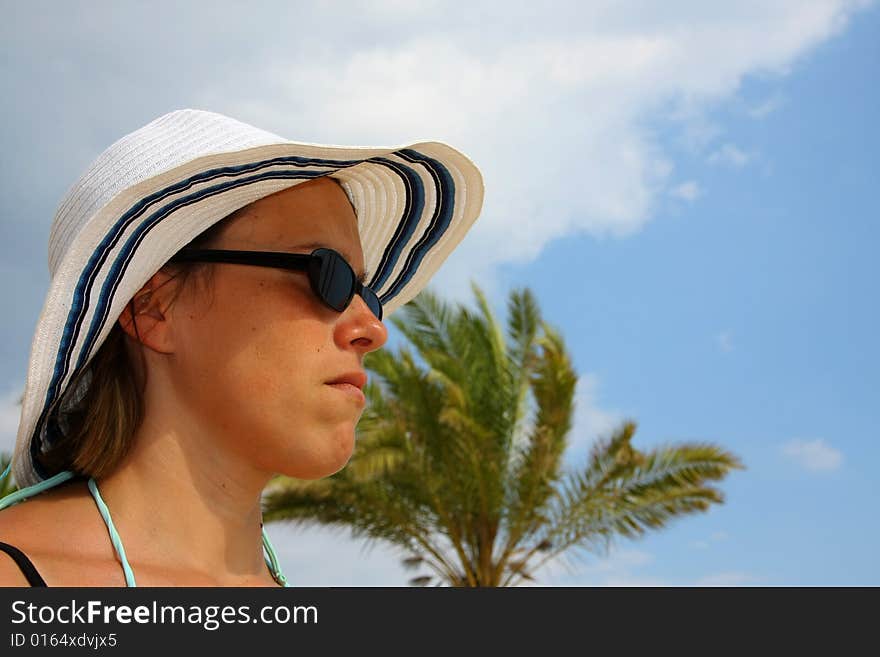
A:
<point x="154" y="190"/>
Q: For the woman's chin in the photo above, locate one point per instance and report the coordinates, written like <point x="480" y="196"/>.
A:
<point x="314" y="471"/>
<point x="323" y="462"/>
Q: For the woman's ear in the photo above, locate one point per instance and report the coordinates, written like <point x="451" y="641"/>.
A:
<point x="146" y="318"/>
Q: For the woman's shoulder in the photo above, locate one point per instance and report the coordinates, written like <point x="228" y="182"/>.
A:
<point x="55" y="531"/>
<point x="46" y="512"/>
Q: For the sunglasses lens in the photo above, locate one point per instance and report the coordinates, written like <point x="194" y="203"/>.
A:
<point x="372" y="302"/>
<point x="335" y="284"/>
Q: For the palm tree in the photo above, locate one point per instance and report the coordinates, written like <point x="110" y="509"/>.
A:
<point x="7" y="485"/>
<point x="459" y="459"/>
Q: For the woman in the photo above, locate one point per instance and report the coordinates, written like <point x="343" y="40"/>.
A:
<point x="214" y="291"/>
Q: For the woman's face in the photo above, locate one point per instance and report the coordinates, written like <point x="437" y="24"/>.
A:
<point x="254" y="356"/>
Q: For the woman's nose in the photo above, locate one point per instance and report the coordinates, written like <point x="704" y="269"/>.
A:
<point x="358" y="326"/>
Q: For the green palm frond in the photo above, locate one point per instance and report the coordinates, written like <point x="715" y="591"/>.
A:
<point x="7" y="485"/>
<point x="459" y="457"/>
<point x="624" y="492"/>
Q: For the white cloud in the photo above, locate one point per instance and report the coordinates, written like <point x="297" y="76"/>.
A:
<point x="558" y="108"/>
<point x="814" y="455"/>
<point x="620" y="560"/>
<point x="731" y="155"/>
<point x="766" y="107"/>
<point x="323" y="557"/>
<point x="732" y="578"/>
<point x="591" y="421"/>
<point x="619" y="568"/>
<point x="687" y="191"/>
<point x="566" y="112"/>
<point x="635" y="581"/>
<point x="725" y="341"/>
<point x="715" y="537"/>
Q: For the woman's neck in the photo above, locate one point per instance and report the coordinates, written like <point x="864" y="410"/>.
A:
<point x="179" y="501"/>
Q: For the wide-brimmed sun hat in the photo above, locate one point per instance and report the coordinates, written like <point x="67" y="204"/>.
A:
<point x="154" y="190"/>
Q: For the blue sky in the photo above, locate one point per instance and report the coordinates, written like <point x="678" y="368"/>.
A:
<point x="689" y="192"/>
<point x="747" y="317"/>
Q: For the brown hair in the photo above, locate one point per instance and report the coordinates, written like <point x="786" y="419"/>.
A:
<point x="92" y="425"/>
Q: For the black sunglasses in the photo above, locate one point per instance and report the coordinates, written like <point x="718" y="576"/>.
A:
<point x="332" y="278"/>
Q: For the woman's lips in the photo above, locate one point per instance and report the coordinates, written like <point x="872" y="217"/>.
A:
<point x="352" y="391"/>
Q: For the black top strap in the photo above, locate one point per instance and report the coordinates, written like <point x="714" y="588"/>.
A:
<point x="27" y="568"/>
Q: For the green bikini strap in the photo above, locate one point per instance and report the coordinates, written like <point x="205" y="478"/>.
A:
<point x="272" y="560"/>
<point x="29" y="491"/>
<point x="114" y="535"/>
